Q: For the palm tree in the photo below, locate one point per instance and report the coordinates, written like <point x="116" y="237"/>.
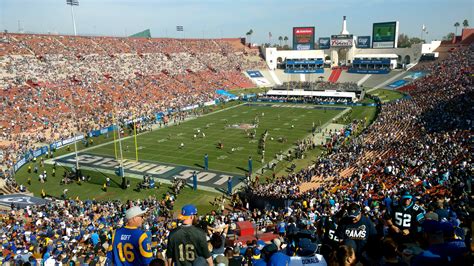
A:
<point x="465" y="23"/>
<point x="249" y="35"/>
<point x="286" y="40"/>
<point x="456" y="25"/>
<point x="280" y="39"/>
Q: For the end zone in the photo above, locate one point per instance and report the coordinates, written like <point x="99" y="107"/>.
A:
<point x="207" y="179"/>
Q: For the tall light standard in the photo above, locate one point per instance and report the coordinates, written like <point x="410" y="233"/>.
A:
<point x="73" y="3"/>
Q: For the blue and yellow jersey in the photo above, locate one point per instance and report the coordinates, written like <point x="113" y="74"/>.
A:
<point x="130" y="246"/>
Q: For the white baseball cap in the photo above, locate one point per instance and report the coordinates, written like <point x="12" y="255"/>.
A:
<point x="134" y="211"/>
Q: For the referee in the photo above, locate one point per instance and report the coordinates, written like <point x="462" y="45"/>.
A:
<point x="187" y="244"/>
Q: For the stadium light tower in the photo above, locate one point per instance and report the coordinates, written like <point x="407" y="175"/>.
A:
<point x="73" y="3"/>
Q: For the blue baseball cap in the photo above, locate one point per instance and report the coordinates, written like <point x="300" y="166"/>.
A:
<point x="353" y="210"/>
<point x="306" y="247"/>
<point x="187" y="211"/>
<point x="406" y="195"/>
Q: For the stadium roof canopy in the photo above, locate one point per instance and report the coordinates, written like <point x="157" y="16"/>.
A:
<point x="142" y="34"/>
<point x="326" y="93"/>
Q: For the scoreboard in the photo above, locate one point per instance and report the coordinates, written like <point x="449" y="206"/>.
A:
<point x="303" y="38"/>
<point x="385" y="35"/>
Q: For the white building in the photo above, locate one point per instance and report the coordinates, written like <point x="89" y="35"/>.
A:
<point x="344" y="50"/>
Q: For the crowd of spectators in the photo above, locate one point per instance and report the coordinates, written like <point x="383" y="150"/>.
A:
<point x="419" y="145"/>
<point x="56" y="86"/>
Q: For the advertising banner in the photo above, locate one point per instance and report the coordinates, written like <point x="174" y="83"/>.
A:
<point x="324" y="43"/>
<point x="342" y="40"/>
<point x="254" y="74"/>
<point x="341" y="43"/>
<point x="368" y="71"/>
<point x="303" y="62"/>
<point x="61" y="143"/>
<point x="363" y="42"/>
<point x="398" y="83"/>
<point x="372" y="62"/>
<point x="19" y="164"/>
<point x="304" y="71"/>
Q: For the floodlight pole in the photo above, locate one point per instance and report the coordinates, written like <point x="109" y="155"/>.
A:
<point x="73" y="20"/>
<point x="73" y="3"/>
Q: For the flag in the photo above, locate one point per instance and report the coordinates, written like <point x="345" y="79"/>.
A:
<point x="423" y="28"/>
<point x="179" y="28"/>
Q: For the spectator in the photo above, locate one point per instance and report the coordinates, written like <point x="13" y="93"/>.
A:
<point x="343" y="256"/>
<point x="130" y="245"/>
<point x="187" y="243"/>
<point x="356" y="230"/>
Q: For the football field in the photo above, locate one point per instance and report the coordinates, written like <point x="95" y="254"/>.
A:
<point x="226" y="136"/>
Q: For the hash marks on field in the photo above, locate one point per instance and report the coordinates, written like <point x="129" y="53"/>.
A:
<point x="239" y="148"/>
<point x="222" y="157"/>
<point x="235" y="115"/>
<point x="253" y="141"/>
<point x="141" y="147"/>
<point x="286" y="124"/>
<point x="162" y="140"/>
<point x="277" y="129"/>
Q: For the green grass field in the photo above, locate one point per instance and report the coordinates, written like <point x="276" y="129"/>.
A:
<point x="163" y="145"/>
<point x="157" y="147"/>
<point x="387" y="95"/>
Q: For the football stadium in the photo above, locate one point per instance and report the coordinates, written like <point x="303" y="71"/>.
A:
<point x="336" y="149"/>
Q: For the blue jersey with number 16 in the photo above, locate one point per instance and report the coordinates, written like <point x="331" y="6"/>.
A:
<point x="130" y="246"/>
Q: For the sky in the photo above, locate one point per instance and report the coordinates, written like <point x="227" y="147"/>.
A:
<point x="233" y="18"/>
